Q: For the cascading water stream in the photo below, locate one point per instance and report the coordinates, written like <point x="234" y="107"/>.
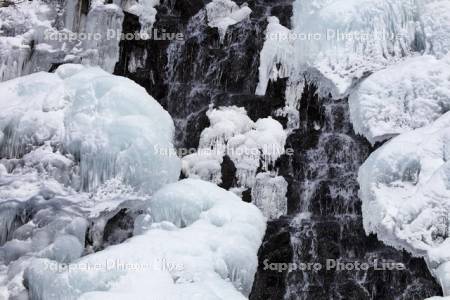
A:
<point x="325" y="221"/>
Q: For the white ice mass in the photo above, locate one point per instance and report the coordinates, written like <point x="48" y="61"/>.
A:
<point x="198" y="242"/>
<point x="108" y="124"/>
<point x="222" y="14"/>
<point x="79" y="145"/>
<point x="76" y="145"/>
<point x="405" y="96"/>
<point x="250" y="146"/>
<point x="345" y="41"/>
<point x="145" y="10"/>
<point x="405" y="188"/>
<point x="37" y="35"/>
<point x="391" y="59"/>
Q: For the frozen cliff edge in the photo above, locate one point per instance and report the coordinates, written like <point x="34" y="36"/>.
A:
<point x="196" y="241"/>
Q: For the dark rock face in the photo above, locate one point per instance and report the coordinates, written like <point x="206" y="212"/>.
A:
<point x="276" y="247"/>
<point x="325" y="221"/>
<point x="188" y="76"/>
<point x="324" y="213"/>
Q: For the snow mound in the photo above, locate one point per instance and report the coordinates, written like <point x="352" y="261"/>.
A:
<point x="405" y="189"/>
<point x="405" y="96"/>
<point x="249" y="144"/>
<point x="187" y="251"/>
<point x="107" y="125"/>
<point x="222" y="14"/>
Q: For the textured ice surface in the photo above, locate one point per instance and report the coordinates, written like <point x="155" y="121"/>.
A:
<point x="344" y="41"/>
<point x="276" y="56"/>
<point x="249" y="145"/>
<point x="405" y="96"/>
<point x="405" y="188"/>
<point x="63" y="135"/>
<point x="201" y="242"/>
<point x="224" y="13"/>
<point x="110" y="126"/>
<point x="36" y="35"/>
<point x="145" y="10"/>
<point x="269" y="195"/>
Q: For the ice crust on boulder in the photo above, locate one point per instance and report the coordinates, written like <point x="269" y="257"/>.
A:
<point x="222" y="14"/>
<point x="405" y="96"/>
<point x="145" y="10"/>
<point x="109" y="125"/>
<point x="405" y="189"/>
<point x="248" y="144"/>
<point x="276" y="56"/>
<point x="197" y="241"/>
<point x="341" y="42"/>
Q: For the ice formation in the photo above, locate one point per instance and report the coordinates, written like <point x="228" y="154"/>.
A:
<point x="224" y="13"/>
<point x="253" y="147"/>
<point x="344" y="41"/>
<point x="75" y="145"/>
<point x="405" y="96"/>
<point x="405" y="191"/>
<point x="276" y="55"/>
<point x="37" y="35"/>
<point x="197" y="241"/>
<point x="145" y="10"/>
<point x="269" y="194"/>
<point x="249" y="145"/>
<point x="110" y="125"/>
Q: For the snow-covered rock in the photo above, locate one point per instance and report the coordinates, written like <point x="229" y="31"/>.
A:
<point x="405" y="189"/>
<point x="405" y="96"/>
<point x="187" y="251"/>
<point x="249" y="145"/>
<point x="222" y="14"/>
<point x="110" y="126"/>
